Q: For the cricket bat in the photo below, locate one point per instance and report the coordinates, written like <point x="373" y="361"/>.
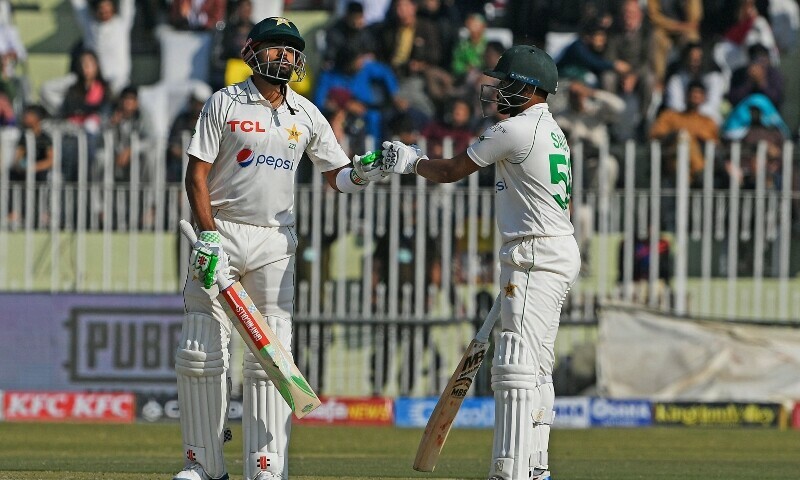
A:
<point x="438" y="427"/>
<point x="263" y="342"/>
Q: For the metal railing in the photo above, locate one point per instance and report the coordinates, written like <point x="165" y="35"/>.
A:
<point x="408" y="250"/>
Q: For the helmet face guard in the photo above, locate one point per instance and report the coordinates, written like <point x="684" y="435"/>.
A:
<point x="279" y="63"/>
<point x="507" y="95"/>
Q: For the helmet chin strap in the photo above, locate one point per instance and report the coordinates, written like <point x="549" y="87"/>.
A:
<point x="281" y="84"/>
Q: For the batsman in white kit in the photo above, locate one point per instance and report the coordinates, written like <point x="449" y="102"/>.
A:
<point x="539" y="255"/>
<point x="240" y="180"/>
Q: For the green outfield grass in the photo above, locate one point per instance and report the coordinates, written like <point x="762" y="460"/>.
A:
<point x="149" y="452"/>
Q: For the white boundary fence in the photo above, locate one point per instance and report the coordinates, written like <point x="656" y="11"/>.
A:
<point x="733" y="250"/>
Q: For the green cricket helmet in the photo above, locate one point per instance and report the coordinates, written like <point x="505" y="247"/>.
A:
<point x="520" y="65"/>
<point x="527" y="64"/>
<point x="274" y="50"/>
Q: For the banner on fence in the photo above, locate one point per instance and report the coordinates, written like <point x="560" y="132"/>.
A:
<point x="68" y="406"/>
<point x="475" y="412"/>
<point x="718" y="414"/>
<point x="352" y="411"/>
<point x="89" y="342"/>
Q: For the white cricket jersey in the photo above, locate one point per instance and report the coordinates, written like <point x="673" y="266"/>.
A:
<point x="255" y="151"/>
<point x="534" y="173"/>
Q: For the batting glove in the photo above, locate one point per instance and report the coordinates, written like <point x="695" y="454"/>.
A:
<point x="371" y="171"/>
<point x="401" y="158"/>
<point x="208" y="258"/>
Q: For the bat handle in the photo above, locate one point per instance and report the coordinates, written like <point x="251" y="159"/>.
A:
<point x="188" y="231"/>
<point x="488" y="324"/>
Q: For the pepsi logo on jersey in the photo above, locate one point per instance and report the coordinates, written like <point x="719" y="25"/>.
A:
<point x="247" y="156"/>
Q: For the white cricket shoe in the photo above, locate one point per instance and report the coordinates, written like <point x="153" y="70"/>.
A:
<point x="267" y="476"/>
<point x="194" y="471"/>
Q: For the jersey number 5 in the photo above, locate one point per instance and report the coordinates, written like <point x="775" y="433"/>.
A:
<point x="557" y="176"/>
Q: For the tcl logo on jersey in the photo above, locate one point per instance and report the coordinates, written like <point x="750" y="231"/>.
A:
<point x="246" y="156"/>
<point x="246" y="126"/>
<point x="56" y="406"/>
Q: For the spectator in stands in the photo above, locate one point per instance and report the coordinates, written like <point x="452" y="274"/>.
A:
<point x="86" y="104"/>
<point x="348" y="31"/>
<point x="773" y="137"/>
<point x="127" y="120"/>
<point x="206" y="15"/>
<point x="345" y="115"/>
<point x="693" y="67"/>
<point x="586" y="121"/>
<point x="411" y="45"/>
<point x="468" y="53"/>
<point x="445" y="16"/>
<point x="740" y="119"/>
<point x="182" y="127"/>
<point x="584" y="59"/>
<point x="12" y="53"/>
<point x="371" y="84"/>
<point x="641" y="265"/>
<point x="629" y="42"/>
<point x="7" y="115"/>
<point x="187" y="41"/>
<point x="456" y="125"/>
<point x="374" y="10"/>
<point x="674" y="23"/>
<point x="750" y="28"/>
<point x="758" y="76"/>
<point x="108" y="33"/>
<point x="670" y="127"/>
<point x="470" y="85"/>
<point x="228" y="59"/>
<point x="32" y="118"/>
<point x="784" y="18"/>
<point x="87" y="100"/>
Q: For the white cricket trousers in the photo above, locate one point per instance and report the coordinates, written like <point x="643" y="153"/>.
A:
<point x="535" y="275"/>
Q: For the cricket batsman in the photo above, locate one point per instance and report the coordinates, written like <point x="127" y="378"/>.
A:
<point x="243" y="156"/>
<point x="539" y="255"/>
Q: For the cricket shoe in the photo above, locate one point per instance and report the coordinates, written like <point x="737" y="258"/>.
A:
<point x="194" y="471"/>
<point x="540" y="474"/>
<point x="268" y="476"/>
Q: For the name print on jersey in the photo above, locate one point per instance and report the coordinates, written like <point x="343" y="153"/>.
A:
<point x="246" y="157"/>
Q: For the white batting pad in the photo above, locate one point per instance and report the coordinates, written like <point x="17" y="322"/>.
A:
<point x="266" y="417"/>
<point x="543" y="417"/>
<point x="200" y="364"/>
<point x="514" y="381"/>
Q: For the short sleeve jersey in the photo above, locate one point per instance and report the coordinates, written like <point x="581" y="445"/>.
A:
<point x="534" y="173"/>
<point x="255" y="150"/>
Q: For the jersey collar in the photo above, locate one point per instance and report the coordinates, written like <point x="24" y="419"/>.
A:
<point x="254" y="96"/>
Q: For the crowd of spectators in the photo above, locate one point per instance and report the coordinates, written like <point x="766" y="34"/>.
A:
<point x="630" y="70"/>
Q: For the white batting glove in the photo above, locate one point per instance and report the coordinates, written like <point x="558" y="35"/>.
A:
<point x="208" y="258"/>
<point x="369" y="172"/>
<point x="401" y="158"/>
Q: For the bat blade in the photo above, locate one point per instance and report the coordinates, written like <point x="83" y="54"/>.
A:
<point x="269" y="351"/>
<point x="441" y="420"/>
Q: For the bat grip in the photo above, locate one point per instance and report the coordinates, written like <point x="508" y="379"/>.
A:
<point x="188" y="231"/>
<point x="488" y="324"/>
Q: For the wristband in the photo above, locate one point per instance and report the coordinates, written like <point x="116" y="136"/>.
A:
<point x="348" y="181"/>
